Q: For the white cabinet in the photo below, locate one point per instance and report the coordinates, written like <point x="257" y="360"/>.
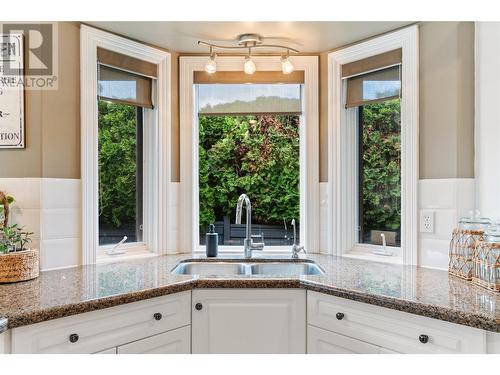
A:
<point x="5" y="342"/>
<point x="177" y="341"/>
<point x="249" y="321"/>
<point x="107" y="351"/>
<point x="393" y="330"/>
<point x="99" y="330"/>
<point x="321" y="341"/>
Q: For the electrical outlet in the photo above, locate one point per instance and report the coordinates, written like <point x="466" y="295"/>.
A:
<point x="427" y="221"/>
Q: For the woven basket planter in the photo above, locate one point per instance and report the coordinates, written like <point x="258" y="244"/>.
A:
<point x="463" y="242"/>
<point x="19" y="266"/>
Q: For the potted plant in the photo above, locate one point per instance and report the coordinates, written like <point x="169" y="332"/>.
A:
<point x="17" y="261"/>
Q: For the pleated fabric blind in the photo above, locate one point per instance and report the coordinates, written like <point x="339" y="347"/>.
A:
<point x="374" y="79"/>
<point x="124" y="79"/>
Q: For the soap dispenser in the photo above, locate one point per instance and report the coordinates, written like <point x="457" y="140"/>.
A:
<point x="212" y="242"/>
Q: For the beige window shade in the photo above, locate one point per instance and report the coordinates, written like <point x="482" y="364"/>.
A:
<point x="245" y="99"/>
<point x="372" y="63"/>
<point x="126" y="63"/>
<point x="373" y="87"/>
<point x="263" y="77"/>
<point x="123" y="87"/>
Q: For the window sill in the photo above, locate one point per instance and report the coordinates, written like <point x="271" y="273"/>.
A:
<point x="364" y="255"/>
<point x="136" y="253"/>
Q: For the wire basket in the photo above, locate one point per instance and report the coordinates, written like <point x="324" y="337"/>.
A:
<point x="487" y="265"/>
<point x="462" y="244"/>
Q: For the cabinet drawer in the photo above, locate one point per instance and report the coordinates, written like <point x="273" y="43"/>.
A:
<point x="107" y="351"/>
<point x="177" y="341"/>
<point x="391" y="329"/>
<point x="321" y="341"/>
<point x="102" y="329"/>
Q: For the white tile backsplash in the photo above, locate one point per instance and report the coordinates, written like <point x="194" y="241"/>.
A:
<point x="449" y="199"/>
<point x="50" y="208"/>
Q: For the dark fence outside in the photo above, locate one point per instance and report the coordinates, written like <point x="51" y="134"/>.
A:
<point x="231" y="234"/>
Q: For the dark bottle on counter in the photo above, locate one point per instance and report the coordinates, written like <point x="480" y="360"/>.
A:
<point x="212" y="242"/>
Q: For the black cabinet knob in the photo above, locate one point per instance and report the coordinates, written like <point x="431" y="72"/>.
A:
<point x="198" y="306"/>
<point x="424" y="339"/>
<point x="339" y="316"/>
<point x="73" y="338"/>
<point x="157" y="316"/>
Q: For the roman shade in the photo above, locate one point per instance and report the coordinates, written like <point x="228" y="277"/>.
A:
<point x="124" y="79"/>
<point x="249" y="99"/>
<point x="260" y="77"/>
<point x="373" y="80"/>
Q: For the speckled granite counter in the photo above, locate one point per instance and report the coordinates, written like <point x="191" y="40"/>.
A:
<point x="421" y="291"/>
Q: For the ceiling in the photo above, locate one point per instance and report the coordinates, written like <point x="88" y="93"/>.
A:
<point x="307" y="37"/>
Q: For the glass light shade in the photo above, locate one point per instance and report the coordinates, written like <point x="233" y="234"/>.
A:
<point x="286" y="66"/>
<point x="249" y="66"/>
<point x="211" y="65"/>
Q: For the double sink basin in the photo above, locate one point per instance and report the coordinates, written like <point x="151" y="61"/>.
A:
<point x="250" y="267"/>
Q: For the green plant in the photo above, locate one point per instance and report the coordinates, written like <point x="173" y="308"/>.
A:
<point x="257" y="155"/>
<point x="382" y="165"/>
<point x="14" y="238"/>
<point x="117" y="163"/>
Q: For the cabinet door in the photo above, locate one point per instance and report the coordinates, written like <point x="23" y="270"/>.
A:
<point x="177" y="341"/>
<point x="321" y="341"/>
<point x="249" y="321"/>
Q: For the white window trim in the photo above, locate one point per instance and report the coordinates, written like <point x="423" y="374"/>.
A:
<point x="157" y="140"/>
<point x="309" y="173"/>
<point x="342" y="181"/>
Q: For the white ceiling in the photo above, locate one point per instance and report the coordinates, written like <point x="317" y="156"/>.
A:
<point x="304" y="36"/>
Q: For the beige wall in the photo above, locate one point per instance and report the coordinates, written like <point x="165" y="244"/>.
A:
<point x="446" y="110"/>
<point x="52" y="120"/>
<point x="446" y="100"/>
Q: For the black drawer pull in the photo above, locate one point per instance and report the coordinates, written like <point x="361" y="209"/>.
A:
<point x="424" y="339"/>
<point x="198" y="306"/>
<point x="73" y="338"/>
<point x="339" y="316"/>
<point x="157" y="316"/>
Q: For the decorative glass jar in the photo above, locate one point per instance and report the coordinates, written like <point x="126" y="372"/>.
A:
<point x="487" y="259"/>
<point x="463" y="241"/>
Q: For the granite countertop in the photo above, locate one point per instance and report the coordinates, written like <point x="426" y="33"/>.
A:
<point x="421" y="291"/>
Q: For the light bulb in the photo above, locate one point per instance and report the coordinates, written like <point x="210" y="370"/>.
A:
<point x="249" y="66"/>
<point x="286" y="65"/>
<point x="211" y="65"/>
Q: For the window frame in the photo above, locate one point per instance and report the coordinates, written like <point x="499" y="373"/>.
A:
<point x="342" y="149"/>
<point x="156" y="143"/>
<point x="309" y="171"/>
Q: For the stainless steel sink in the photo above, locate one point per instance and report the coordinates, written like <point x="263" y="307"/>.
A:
<point x="286" y="269"/>
<point x="247" y="268"/>
<point x="210" y="268"/>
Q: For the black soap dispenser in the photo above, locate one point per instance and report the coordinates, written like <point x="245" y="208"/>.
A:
<point x="212" y="242"/>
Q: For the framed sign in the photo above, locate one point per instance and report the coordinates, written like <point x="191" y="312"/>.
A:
<point x="11" y="91"/>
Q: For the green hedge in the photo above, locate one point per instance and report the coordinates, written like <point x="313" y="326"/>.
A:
<point x="256" y="155"/>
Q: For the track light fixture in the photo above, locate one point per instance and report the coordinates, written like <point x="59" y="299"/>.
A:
<point x="249" y="41"/>
<point x="211" y="65"/>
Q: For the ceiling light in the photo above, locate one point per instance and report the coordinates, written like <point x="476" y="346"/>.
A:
<point x="286" y="65"/>
<point x="211" y="65"/>
<point x="249" y="66"/>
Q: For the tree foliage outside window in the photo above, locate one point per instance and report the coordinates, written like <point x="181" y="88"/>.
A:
<point x="117" y="164"/>
<point x="381" y="172"/>
<point x="256" y="155"/>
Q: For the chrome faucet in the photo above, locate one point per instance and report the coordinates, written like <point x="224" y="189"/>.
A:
<point x="248" y="243"/>
<point x="296" y="248"/>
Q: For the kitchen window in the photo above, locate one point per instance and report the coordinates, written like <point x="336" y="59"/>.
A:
<point x="373" y="160"/>
<point x="125" y="117"/>
<point x="249" y="125"/>
<point x="249" y="142"/>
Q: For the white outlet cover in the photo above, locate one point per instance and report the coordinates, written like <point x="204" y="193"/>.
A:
<point x="427" y="221"/>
